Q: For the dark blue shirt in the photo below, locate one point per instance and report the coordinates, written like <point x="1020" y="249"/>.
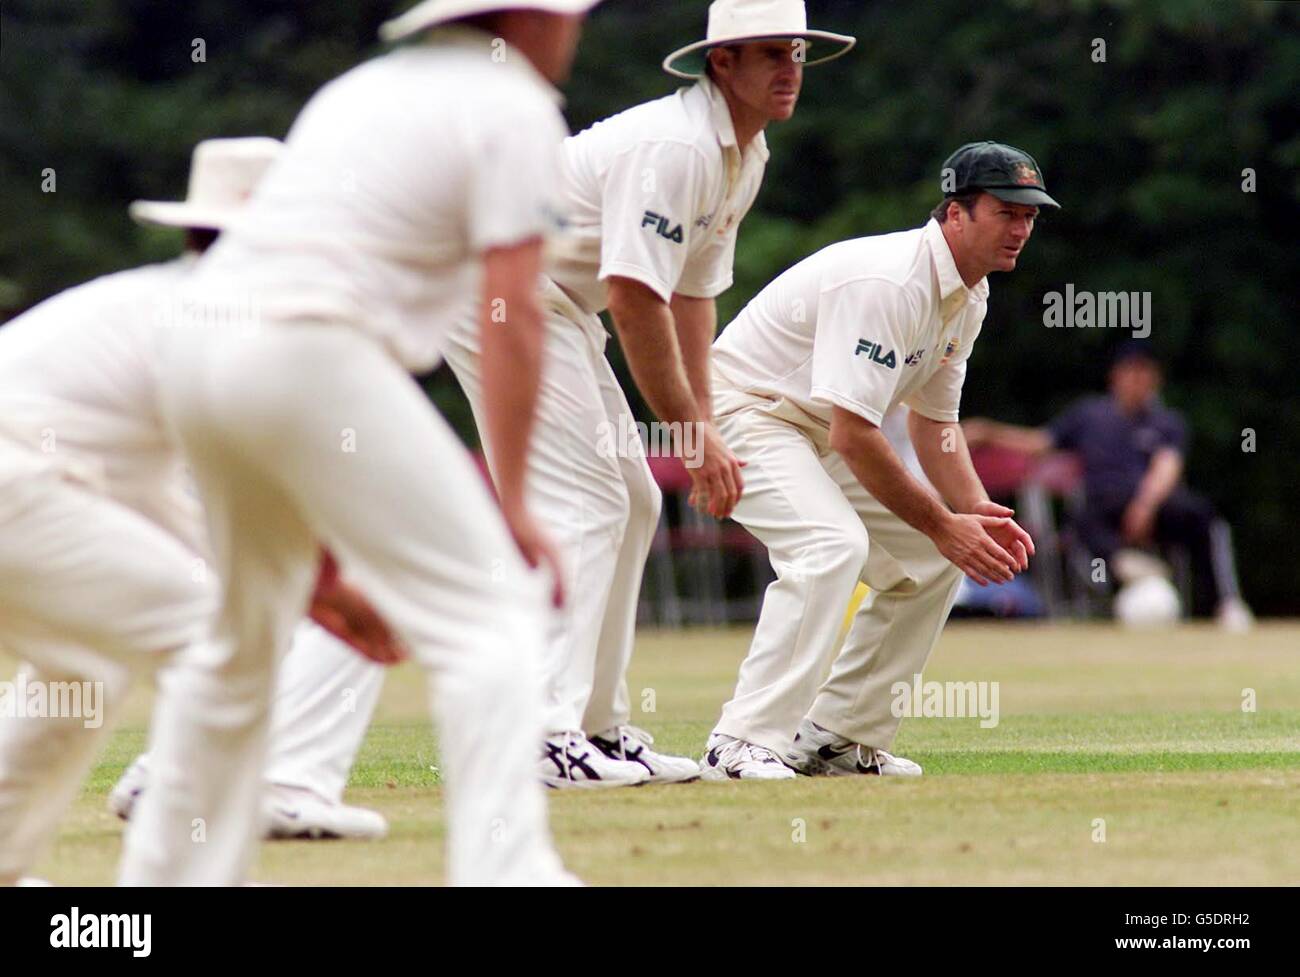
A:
<point x="1116" y="448"/>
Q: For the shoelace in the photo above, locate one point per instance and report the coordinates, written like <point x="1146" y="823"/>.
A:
<point x="631" y="732"/>
<point x="868" y="758"/>
<point x="758" y="754"/>
<point x="637" y="733"/>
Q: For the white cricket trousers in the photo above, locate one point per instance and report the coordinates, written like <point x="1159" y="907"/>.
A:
<point x="325" y="696"/>
<point x="599" y="502"/>
<point x="299" y="432"/>
<point x="90" y="592"/>
<point x="824" y="533"/>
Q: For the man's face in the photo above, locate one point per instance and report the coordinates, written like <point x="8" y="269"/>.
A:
<point x="764" y="76"/>
<point x="1133" y="382"/>
<point x="994" y="232"/>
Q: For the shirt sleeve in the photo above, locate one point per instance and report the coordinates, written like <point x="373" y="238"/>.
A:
<point x="858" y="349"/>
<point x="648" y="203"/>
<point x="939" y="398"/>
<point x="514" y="176"/>
<point x="709" y="272"/>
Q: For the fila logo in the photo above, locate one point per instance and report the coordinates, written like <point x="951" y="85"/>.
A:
<point x="874" y="352"/>
<point x="660" y="224"/>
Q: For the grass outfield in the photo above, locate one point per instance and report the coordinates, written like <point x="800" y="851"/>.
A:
<point x="1145" y="732"/>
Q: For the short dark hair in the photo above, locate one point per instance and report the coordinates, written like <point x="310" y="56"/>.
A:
<point x="1135" y="350"/>
<point x="965" y="200"/>
<point x="489" y="21"/>
<point x="199" y="239"/>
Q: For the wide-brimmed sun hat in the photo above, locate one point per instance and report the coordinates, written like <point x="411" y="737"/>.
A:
<point x="745" y="21"/>
<point x="431" y="13"/>
<point x="223" y="175"/>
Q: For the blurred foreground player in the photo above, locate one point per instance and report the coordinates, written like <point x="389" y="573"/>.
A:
<point x="102" y="552"/>
<point x="325" y="689"/>
<point x="803" y="380"/>
<point x="408" y="186"/>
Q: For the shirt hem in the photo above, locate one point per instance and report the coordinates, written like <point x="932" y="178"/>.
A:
<point x="655" y="285"/>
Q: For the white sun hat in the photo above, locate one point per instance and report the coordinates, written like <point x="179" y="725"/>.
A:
<point x="223" y="175"/>
<point x="431" y="13"/>
<point x="743" y="21"/>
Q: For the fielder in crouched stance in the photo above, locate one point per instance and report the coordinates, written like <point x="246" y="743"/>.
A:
<point x="654" y="198"/>
<point x="802" y="379"/>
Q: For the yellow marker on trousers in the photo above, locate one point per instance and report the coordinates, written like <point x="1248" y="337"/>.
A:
<point x="855" y="602"/>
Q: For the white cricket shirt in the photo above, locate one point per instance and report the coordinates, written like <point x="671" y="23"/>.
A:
<point x="656" y="194"/>
<point x="864" y="324"/>
<point x="78" y="393"/>
<point x="394" y="179"/>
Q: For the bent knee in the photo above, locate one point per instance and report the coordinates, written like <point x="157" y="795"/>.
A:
<point x="645" y="501"/>
<point x="841" y="554"/>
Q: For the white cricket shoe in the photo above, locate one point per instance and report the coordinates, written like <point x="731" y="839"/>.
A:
<point x="819" y="752"/>
<point x="121" y="799"/>
<point x="633" y="744"/>
<point x="570" y="760"/>
<point x="293" y="812"/>
<point x="727" y="758"/>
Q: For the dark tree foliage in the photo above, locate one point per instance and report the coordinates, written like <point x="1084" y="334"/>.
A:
<point x="1146" y="150"/>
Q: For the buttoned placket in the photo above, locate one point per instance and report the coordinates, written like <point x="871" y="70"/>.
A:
<point x="952" y="305"/>
<point x="734" y="159"/>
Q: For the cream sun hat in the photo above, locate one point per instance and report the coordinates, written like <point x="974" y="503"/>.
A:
<point x="742" y="21"/>
<point x="223" y="175"/>
<point x="431" y="13"/>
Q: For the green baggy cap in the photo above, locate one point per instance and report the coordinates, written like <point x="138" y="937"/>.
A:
<point x="1008" y="173"/>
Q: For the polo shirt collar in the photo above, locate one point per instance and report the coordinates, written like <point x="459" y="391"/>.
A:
<point x="720" y="113"/>
<point x="462" y="35"/>
<point x="946" y="269"/>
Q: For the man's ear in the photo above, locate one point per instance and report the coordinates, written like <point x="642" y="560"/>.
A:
<point x="720" y="58"/>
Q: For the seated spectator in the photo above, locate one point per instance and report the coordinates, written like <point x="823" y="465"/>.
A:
<point x="1132" y="448"/>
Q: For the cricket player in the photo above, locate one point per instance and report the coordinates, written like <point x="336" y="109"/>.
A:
<point x="62" y="364"/>
<point x="102" y="569"/>
<point x="653" y="198"/>
<point x="412" y="186"/>
<point x="802" y="380"/>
